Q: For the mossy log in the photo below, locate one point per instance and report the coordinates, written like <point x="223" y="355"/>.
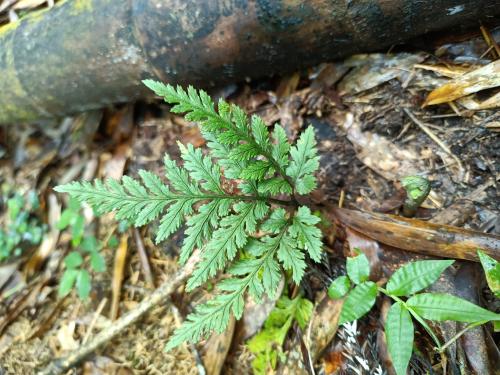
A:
<point x="85" y="54"/>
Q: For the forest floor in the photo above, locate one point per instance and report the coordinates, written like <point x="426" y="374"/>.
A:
<point x="372" y="131"/>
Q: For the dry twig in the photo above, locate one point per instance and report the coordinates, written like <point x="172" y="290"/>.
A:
<point x="161" y="294"/>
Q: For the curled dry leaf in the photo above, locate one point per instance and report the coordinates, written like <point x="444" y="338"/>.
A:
<point x="323" y="325"/>
<point x="480" y="79"/>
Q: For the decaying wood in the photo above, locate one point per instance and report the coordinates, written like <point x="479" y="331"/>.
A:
<point x="85" y="54"/>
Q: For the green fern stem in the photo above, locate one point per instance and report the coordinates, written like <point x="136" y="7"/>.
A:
<point x="174" y="197"/>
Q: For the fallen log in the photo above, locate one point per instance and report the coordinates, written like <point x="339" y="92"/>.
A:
<point x="85" y="54"/>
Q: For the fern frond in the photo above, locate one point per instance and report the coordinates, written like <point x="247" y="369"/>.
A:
<point x="259" y="275"/>
<point x="201" y="168"/>
<point x="201" y="226"/>
<point x="223" y="218"/>
<point x="304" y="162"/>
<point x="306" y="232"/>
<point x="229" y="126"/>
<point x="292" y="258"/>
<point x="281" y="147"/>
<point x="231" y="236"/>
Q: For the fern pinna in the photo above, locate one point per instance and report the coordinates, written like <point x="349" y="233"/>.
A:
<point x="252" y="233"/>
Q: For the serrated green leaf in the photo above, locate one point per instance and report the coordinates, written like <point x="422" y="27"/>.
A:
<point x="173" y="219"/>
<point x="308" y="235"/>
<point x="260" y="133"/>
<point x="201" y="169"/>
<point x="399" y="334"/>
<point x="292" y="258"/>
<point x="271" y="277"/>
<point x="276" y="221"/>
<point x="416" y="276"/>
<point x="358" y="302"/>
<point x="67" y="281"/>
<point x="281" y="148"/>
<point x="213" y="316"/>
<point x="339" y="287"/>
<point x="256" y="171"/>
<point x="73" y="260"/>
<point x="231" y="236"/>
<point x="83" y="284"/>
<point x="201" y="226"/>
<point x="244" y="152"/>
<point x="491" y="271"/>
<point x="275" y="186"/>
<point x="304" y="163"/>
<point x="358" y="268"/>
<point x="443" y="306"/>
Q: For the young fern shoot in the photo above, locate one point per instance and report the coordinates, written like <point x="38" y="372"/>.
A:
<point x="261" y="220"/>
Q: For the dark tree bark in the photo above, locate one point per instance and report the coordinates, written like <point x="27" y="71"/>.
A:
<point x="85" y="54"/>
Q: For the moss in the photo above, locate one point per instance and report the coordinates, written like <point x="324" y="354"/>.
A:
<point x="10" y="83"/>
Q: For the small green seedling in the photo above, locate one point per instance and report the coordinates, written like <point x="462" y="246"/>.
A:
<point x="20" y="228"/>
<point x="267" y="344"/>
<point x="360" y="295"/>
<point x="417" y="189"/>
<point x="76" y="273"/>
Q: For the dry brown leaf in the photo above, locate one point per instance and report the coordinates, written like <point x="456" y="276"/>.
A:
<point x="380" y="154"/>
<point x="323" y="325"/>
<point x="447" y="71"/>
<point x="65" y="336"/>
<point x="216" y="348"/>
<point x="371" y="70"/>
<point x="118" y="269"/>
<point x="480" y="79"/>
<point x="470" y="103"/>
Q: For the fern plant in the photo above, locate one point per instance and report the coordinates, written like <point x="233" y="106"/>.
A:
<point x="251" y="230"/>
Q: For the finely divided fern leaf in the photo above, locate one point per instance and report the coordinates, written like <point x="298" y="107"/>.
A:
<point x="304" y="162"/>
<point x="236" y="202"/>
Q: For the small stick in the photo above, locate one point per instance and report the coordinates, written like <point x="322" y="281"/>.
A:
<point x="435" y="138"/>
<point x="143" y="256"/>
<point x="159" y="296"/>
<point x="94" y="320"/>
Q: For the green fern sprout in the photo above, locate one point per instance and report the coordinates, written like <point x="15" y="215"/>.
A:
<point x="261" y="220"/>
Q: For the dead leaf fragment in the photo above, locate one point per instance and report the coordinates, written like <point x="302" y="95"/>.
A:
<point x="483" y="78"/>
